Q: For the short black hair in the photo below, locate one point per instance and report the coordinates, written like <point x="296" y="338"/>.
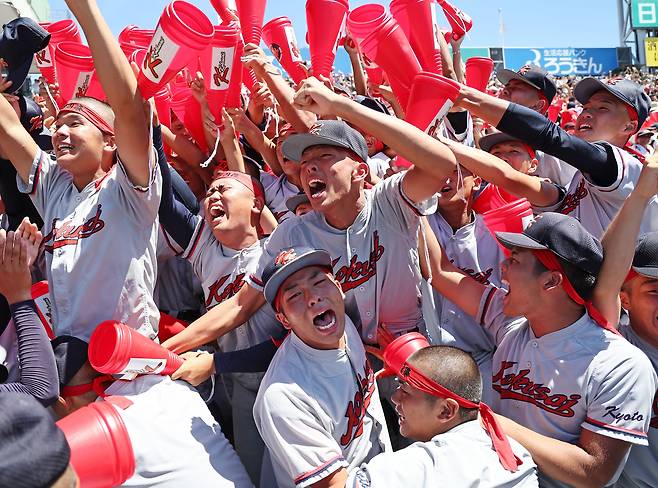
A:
<point x="582" y="281"/>
<point x="455" y="370"/>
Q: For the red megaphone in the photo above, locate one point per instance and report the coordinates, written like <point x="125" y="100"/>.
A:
<point x="226" y="9"/>
<point x="423" y="38"/>
<point x="460" y="21"/>
<point x="325" y="20"/>
<point x="279" y="36"/>
<point x="400" y="350"/>
<point x="115" y="348"/>
<point x="101" y="450"/>
<point x="132" y="38"/>
<point x="75" y="72"/>
<point x="251" y="14"/>
<point x="491" y="198"/>
<point x="511" y="217"/>
<point x="182" y="32"/>
<point x="478" y="72"/>
<point x="64" y="30"/>
<point x="188" y="111"/>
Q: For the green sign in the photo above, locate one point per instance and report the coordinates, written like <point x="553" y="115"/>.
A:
<point x="644" y="14"/>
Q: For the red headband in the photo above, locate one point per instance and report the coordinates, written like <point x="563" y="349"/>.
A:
<point x="90" y="114"/>
<point x="531" y="151"/>
<point x="500" y="442"/>
<point x="550" y="262"/>
<point x="632" y="113"/>
<point x="631" y="274"/>
<point x="246" y="180"/>
<point x="96" y="385"/>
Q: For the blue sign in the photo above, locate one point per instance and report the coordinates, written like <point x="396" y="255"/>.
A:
<point x="564" y="61"/>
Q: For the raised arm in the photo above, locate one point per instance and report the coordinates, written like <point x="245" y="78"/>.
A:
<point x="120" y="86"/>
<point x="619" y="242"/>
<point x="539" y="192"/>
<point x="432" y="160"/>
<point x="357" y="67"/>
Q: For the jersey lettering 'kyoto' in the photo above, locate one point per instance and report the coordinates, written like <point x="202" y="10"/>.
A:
<point x="359" y="272"/>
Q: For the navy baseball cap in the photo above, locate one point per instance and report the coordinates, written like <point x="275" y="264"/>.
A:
<point x="19" y="41"/>
<point x="288" y="262"/>
<point x="490" y="140"/>
<point x="296" y="200"/>
<point x="33" y="451"/>
<point x="530" y="75"/>
<point x="627" y="91"/>
<point x="326" y="132"/>
<point x="372" y="103"/>
<point x="71" y="354"/>
<point x="561" y="234"/>
<point x="645" y="261"/>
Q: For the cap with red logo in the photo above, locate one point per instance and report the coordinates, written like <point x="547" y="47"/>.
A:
<point x="530" y="75"/>
<point x="627" y="91"/>
<point x="326" y="133"/>
<point x="288" y="262"/>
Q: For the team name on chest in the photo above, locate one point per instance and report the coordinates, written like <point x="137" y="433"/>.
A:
<point x="518" y="386"/>
<point x="572" y="200"/>
<point x="356" y="273"/>
<point x="68" y="234"/>
<point x="356" y="408"/>
<point x="220" y="290"/>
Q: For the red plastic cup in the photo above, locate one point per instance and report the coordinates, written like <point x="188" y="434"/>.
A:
<point x="132" y="38"/>
<point x="478" y="72"/>
<point x="41" y="297"/>
<point x="251" y="14"/>
<point x="101" y="450"/>
<point x="75" y="72"/>
<point x="431" y="98"/>
<point x="400" y="350"/>
<point x="388" y="47"/>
<point x="423" y="39"/>
<point x="459" y="21"/>
<point x="64" y="30"/>
<point x="365" y="19"/>
<point x="554" y="109"/>
<point x="325" y="20"/>
<point x="115" y="348"/>
<point x="220" y="64"/>
<point x="511" y="217"/>
<point x="169" y="326"/>
<point x="491" y="198"/>
<point x="183" y="31"/>
<point x="226" y="9"/>
<point x="279" y="36"/>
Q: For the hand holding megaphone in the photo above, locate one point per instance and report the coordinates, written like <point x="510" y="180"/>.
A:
<point x="314" y="96"/>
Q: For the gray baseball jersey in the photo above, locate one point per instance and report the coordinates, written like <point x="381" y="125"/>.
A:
<point x="222" y="272"/>
<point x="277" y="191"/>
<point x="463" y="457"/>
<point x="641" y="470"/>
<point x="596" y="206"/>
<point x="475" y="251"/>
<point x="605" y="384"/>
<point x="375" y="259"/>
<point x="100" y="246"/>
<point x="319" y="410"/>
<point x="554" y="169"/>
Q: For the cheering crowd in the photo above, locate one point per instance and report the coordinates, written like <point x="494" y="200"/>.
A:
<point x="219" y="272"/>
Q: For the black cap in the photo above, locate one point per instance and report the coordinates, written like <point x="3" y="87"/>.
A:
<point x="372" y="103"/>
<point x="490" y="140"/>
<point x="31" y="115"/>
<point x="289" y="261"/>
<point x="296" y="200"/>
<point x="531" y="75"/>
<point x="326" y="132"/>
<point x="20" y="40"/>
<point x="645" y="261"/>
<point x="71" y="354"/>
<point x="33" y="451"/>
<point x="561" y="234"/>
<point x="627" y="91"/>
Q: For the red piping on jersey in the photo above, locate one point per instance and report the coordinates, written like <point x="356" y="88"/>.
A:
<point x="407" y="201"/>
<point x="37" y="174"/>
<point x="487" y="302"/>
<point x="197" y="238"/>
<point x="304" y="476"/>
<point x="598" y="423"/>
<point x="549" y="260"/>
<point x="500" y="442"/>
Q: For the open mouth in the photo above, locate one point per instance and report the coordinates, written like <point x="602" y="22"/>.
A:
<point x="64" y="149"/>
<point x="217" y="212"/>
<point x="584" y="127"/>
<point x="445" y="189"/>
<point x="325" y="320"/>
<point x="316" y="188"/>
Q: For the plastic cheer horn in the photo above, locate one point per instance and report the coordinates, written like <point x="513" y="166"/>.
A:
<point x="227" y="10"/>
<point x="478" y="72"/>
<point x="101" y="450"/>
<point x="41" y="296"/>
<point x="115" y="348"/>
<point x="222" y="69"/>
<point x="388" y="47"/>
<point x="491" y="198"/>
<point x="279" y="36"/>
<point x="64" y="30"/>
<point x="432" y="96"/>
<point x="400" y="350"/>
<point x="76" y="72"/>
<point x="365" y="19"/>
<point x="132" y="38"/>
<point x="511" y="217"/>
<point x="251" y="14"/>
<point x="188" y="111"/>
<point x="423" y="38"/>
<point x="183" y="31"/>
<point x="460" y="21"/>
<point x="325" y="20"/>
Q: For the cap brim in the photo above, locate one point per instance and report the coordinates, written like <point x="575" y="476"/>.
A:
<point x="648" y="271"/>
<point x="589" y="86"/>
<point x="293" y="202"/>
<point x="490" y="140"/>
<point x="312" y="258"/>
<point x="515" y="239"/>
<point x="505" y="75"/>
<point x="296" y="144"/>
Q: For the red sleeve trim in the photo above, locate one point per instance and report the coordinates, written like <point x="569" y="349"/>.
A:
<point x="406" y="200"/>
<point x="256" y="280"/>
<point x="303" y="477"/>
<point x="168" y="241"/>
<point x="637" y="433"/>
<point x="37" y="174"/>
<point x="485" y="307"/>
<point x="197" y="238"/>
